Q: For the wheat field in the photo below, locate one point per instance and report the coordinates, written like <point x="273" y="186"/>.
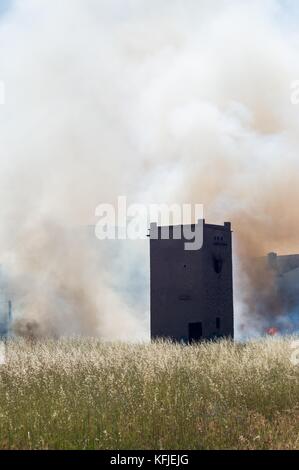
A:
<point x="85" y="394"/>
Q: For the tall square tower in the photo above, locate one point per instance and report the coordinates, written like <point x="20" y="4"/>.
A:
<point x="191" y="293"/>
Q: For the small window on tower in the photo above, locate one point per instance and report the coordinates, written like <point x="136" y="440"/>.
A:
<point x="218" y="323"/>
<point x="217" y="265"/>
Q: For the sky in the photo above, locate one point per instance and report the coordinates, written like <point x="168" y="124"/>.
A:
<point x="289" y="8"/>
<point x="4" y="5"/>
<point x="162" y="101"/>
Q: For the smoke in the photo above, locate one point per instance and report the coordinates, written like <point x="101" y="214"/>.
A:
<point x="173" y="101"/>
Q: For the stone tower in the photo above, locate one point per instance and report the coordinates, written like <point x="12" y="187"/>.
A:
<point x="191" y="293"/>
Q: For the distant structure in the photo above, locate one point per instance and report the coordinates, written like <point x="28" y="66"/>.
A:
<point x="286" y="276"/>
<point x="285" y="266"/>
<point x="191" y="292"/>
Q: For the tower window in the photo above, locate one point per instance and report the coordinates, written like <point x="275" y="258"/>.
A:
<point x="218" y="323"/>
<point x="217" y="265"/>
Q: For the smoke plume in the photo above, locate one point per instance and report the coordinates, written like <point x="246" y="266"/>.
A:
<point x="173" y="101"/>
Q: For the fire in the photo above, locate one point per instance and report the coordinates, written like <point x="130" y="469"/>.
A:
<point x="272" y="331"/>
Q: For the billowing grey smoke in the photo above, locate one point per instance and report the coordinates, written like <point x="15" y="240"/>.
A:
<point x="173" y="101"/>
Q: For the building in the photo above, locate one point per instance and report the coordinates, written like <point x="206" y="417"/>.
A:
<point x="286" y="270"/>
<point x="191" y="292"/>
<point x="284" y="290"/>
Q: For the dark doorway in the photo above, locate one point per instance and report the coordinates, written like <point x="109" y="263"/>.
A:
<point x="195" y="332"/>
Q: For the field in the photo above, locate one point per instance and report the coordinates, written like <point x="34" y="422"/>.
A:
<point x="84" y="394"/>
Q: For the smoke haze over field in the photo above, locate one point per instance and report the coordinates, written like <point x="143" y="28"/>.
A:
<point x="173" y="101"/>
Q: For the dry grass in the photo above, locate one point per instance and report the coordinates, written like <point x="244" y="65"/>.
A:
<point x="82" y="394"/>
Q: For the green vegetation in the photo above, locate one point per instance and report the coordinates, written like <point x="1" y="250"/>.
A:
<point x="84" y="394"/>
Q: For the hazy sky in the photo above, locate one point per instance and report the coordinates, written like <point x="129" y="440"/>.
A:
<point x="4" y="5"/>
<point x="289" y="7"/>
<point x="159" y="100"/>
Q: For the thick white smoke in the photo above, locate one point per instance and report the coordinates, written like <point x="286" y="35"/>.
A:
<point x="162" y="101"/>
